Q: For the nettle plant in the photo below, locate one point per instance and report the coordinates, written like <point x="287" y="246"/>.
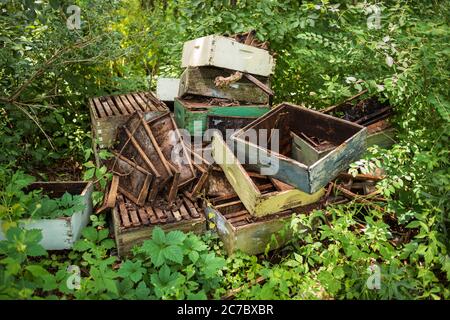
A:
<point x="17" y="203"/>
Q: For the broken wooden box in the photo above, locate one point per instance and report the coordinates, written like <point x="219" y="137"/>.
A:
<point x="271" y="149"/>
<point x="134" y="224"/>
<point x="201" y="81"/>
<point x="110" y="112"/>
<point x="191" y="114"/>
<point x="224" y="52"/>
<point x="258" y="204"/>
<point x="308" y="151"/>
<point x="239" y="230"/>
<point x="369" y="112"/>
<point x="60" y="233"/>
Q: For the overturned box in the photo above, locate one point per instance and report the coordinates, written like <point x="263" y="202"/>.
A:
<point x="263" y="152"/>
<point x="134" y="224"/>
<point x="258" y="204"/>
<point x="224" y="52"/>
<point x="201" y="81"/>
<point x="241" y="231"/>
<point x="192" y="114"/>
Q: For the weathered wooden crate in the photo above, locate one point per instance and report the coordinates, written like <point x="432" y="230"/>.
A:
<point x="192" y="114"/>
<point x="257" y="203"/>
<point x="167" y="88"/>
<point x="223" y="52"/>
<point x="369" y="112"/>
<point x="134" y="224"/>
<point x="60" y="233"/>
<point x="348" y="138"/>
<point x="200" y="81"/>
<point x="110" y="112"/>
<point x="241" y="231"/>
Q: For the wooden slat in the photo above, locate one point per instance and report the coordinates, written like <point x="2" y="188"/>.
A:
<point x="126" y="103"/>
<point x="177" y="215"/>
<point x="124" y="214"/>
<point x="169" y="215"/>
<point x="119" y="104"/>
<point x="235" y="214"/>
<point x="152" y="215"/>
<point x="113" y="107"/>
<point x="241" y="217"/>
<point x="108" y="110"/>
<point x="132" y="213"/>
<point x="184" y="213"/>
<point x="134" y="103"/>
<point x="93" y="109"/>
<point x="99" y="107"/>
<point x="191" y="208"/>
<point x="160" y="214"/>
<point x="144" y="216"/>
<point x="146" y="97"/>
<point x="141" y="102"/>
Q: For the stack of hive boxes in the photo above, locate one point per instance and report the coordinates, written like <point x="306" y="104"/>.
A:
<point x="225" y="84"/>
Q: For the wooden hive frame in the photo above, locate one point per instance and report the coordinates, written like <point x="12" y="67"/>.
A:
<point x="349" y="140"/>
<point x="257" y="203"/>
<point x="110" y="112"/>
<point x="134" y="224"/>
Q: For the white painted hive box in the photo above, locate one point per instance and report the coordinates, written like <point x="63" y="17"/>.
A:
<point x="167" y="88"/>
<point x="227" y="53"/>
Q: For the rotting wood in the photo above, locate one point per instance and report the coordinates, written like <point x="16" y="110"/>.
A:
<point x="109" y="200"/>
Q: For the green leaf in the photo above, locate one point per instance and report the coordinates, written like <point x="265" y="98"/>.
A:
<point x="173" y="253"/>
<point x="90" y="233"/>
<point x="158" y="236"/>
<point x="175" y="237"/>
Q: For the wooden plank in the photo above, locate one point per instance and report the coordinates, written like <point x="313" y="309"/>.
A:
<point x="160" y="214"/>
<point x="124" y="214"/>
<point x="113" y="107"/>
<point x="110" y="195"/>
<point x="177" y="215"/>
<point x="134" y="103"/>
<point x="143" y="216"/>
<point x="169" y="214"/>
<point x="106" y="107"/>
<point x="120" y="105"/>
<point x="152" y="102"/>
<point x="191" y="208"/>
<point x="99" y="107"/>
<point x="126" y="103"/>
<point x="184" y="213"/>
<point x="152" y="215"/>
<point x="93" y="109"/>
<point x="140" y="102"/>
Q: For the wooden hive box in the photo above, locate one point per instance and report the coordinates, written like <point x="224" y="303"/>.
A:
<point x="227" y="53"/>
<point x="192" y="114"/>
<point x="60" y="233"/>
<point x="307" y="151"/>
<point x="257" y="203"/>
<point x="167" y="88"/>
<point x="348" y="138"/>
<point x="239" y="230"/>
<point x="369" y="112"/>
<point x="200" y="81"/>
<point x="134" y="224"/>
<point x="110" y="112"/>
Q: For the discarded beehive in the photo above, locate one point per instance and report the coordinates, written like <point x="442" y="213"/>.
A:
<point x="135" y="181"/>
<point x="258" y="204"/>
<point x="151" y="145"/>
<point x="133" y="224"/>
<point x="224" y="52"/>
<point x="201" y="81"/>
<point x="348" y="138"/>
<point x="167" y="88"/>
<point x="369" y="112"/>
<point x="239" y="230"/>
<point x="60" y="233"/>
<point x="191" y="114"/>
<point x="110" y="112"/>
<point x="249" y="38"/>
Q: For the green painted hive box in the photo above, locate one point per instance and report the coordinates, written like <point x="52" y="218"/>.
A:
<point x="192" y="115"/>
